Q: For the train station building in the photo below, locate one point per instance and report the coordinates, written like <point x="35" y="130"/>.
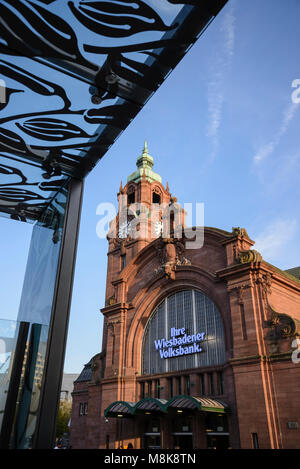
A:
<point x="198" y="341"/>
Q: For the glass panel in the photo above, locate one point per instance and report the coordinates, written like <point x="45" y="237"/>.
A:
<point x="24" y="193"/>
<point x="196" y="313"/>
<point x="182" y="424"/>
<point x="30" y="378"/>
<point x="8" y="340"/>
<point x="35" y="308"/>
<point x="30" y="389"/>
<point x="152" y="425"/>
<point x="216" y="423"/>
<point x="201" y="325"/>
<point x="40" y="276"/>
<point x="76" y="74"/>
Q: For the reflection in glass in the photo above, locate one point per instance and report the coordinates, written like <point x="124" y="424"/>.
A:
<point x="8" y="339"/>
<point x="29" y="395"/>
<point x="35" y="310"/>
<point x="39" y="282"/>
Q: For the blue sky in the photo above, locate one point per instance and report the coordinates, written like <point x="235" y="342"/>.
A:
<point x="223" y="130"/>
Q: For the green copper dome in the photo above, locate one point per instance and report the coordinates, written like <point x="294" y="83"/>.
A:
<point x="144" y="165"/>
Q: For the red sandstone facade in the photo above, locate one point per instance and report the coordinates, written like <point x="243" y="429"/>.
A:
<point x="260" y="311"/>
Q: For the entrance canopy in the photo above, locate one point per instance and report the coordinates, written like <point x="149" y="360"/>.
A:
<point x="153" y="405"/>
<point x="74" y="74"/>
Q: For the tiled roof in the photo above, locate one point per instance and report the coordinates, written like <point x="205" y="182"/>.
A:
<point x="86" y="374"/>
<point x="295" y="271"/>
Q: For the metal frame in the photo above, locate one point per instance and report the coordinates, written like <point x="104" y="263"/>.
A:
<point x="21" y="419"/>
<point x="120" y="76"/>
<point x="49" y="402"/>
<point x="14" y="385"/>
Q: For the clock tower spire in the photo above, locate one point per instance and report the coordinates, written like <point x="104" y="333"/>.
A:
<point x="138" y="221"/>
<point x="146" y="211"/>
<point x="144" y="165"/>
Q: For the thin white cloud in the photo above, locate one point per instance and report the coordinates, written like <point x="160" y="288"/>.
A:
<point x="275" y="238"/>
<point x="266" y="150"/>
<point x="220" y="66"/>
<point x="228" y="28"/>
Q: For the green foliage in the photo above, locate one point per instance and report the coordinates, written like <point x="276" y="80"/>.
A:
<point x="63" y="418"/>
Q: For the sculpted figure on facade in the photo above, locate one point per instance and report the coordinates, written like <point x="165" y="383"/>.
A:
<point x="171" y="254"/>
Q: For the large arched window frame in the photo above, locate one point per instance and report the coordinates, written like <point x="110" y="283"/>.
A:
<point x="197" y="314"/>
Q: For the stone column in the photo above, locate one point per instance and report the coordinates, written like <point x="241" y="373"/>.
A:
<point x="207" y="384"/>
<point x="164" y="391"/>
<point x="199" y="433"/>
<point x="194" y="385"/>
<point x="183" y="390"/>
<point x="153" y="388"/>
<point x="166" y="432"/>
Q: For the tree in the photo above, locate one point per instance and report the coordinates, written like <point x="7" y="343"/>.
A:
<point x="63" y="418"/>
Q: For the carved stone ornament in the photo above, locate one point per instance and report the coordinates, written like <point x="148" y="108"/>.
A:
<point x="249" y="256"/>
<point x="265" y="281"/>
<point x="171" y="254"/>
<point x="239" y="231"/>
<point x="112" y="300"/>
<point x="283" y="326"/>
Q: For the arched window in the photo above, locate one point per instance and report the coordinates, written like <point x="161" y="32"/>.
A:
<point x="184" y="331"/>
<point x="155" y="198"/>
<point x="131" y="198"/>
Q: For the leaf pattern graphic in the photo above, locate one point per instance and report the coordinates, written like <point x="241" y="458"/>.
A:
<point x="52" y="129"/>
<point x="114" y="20"/>
<point x="34" y="83"/>
<point x="9" y="171"/>
<point x="49" y="35"/>
<point x="51" y="185"/>
<point x="17" y="194"/>
<point x="10" y="141"/>
<point x="117" y="115"/>
<point x="56" y="35"/>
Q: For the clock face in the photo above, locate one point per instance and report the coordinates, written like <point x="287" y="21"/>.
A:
<point x="158" y="227"/>
<point x="124" y="229"/>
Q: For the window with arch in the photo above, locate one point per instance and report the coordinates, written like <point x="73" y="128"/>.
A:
<point x="131" y="195"/>
<point x="193" y="316"/>
<point x="156" y="199"/>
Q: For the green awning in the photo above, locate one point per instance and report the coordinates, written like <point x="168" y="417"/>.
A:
<point x="154" y="405"/>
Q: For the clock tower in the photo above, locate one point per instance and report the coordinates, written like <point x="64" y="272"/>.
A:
<point x="146" y="211"/>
